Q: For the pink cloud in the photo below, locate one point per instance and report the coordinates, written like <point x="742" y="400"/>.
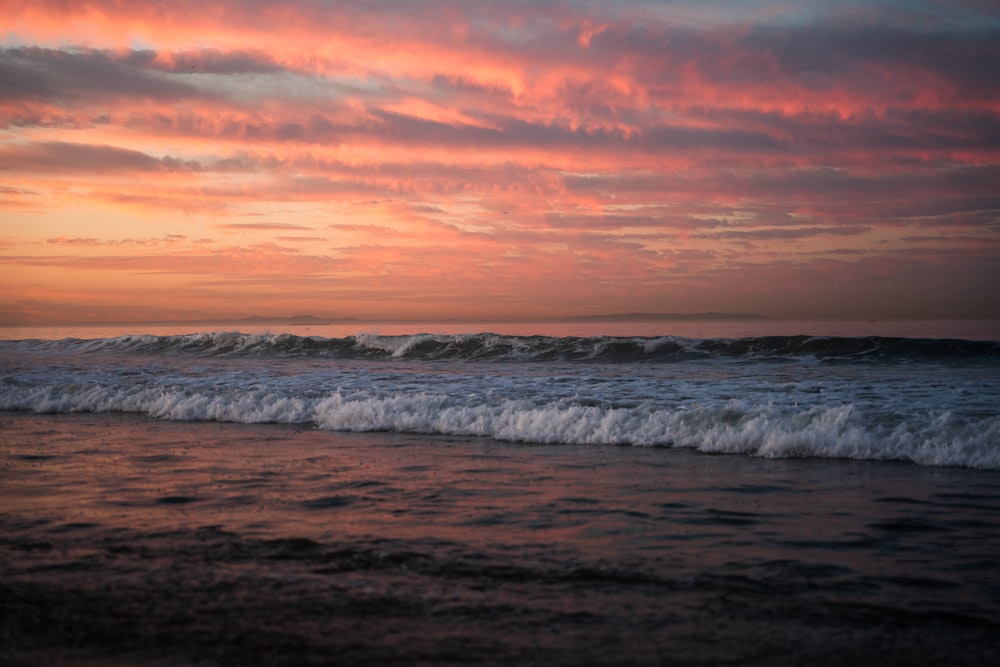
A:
<point x="549" y="155"/>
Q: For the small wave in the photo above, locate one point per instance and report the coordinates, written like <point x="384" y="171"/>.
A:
<point x="494" y="347"/>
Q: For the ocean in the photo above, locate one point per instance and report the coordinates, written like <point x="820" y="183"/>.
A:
<point x="569" y="493"/>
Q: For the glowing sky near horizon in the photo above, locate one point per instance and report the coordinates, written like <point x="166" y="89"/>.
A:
<point x="496" y="160"/>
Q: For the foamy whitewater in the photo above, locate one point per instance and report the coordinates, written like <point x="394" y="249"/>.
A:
<point x="934" y="402"/>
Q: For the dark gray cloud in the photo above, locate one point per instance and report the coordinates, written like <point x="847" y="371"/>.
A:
<point x="836" y="53"/>
<point x="783" y="233"/>
<point x="88" y="158"/>
<point x="841" y="52"/>
<point x="68" y="75"/>
<point x="203" y="61"/>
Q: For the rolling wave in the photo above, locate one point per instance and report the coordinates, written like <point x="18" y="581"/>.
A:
<point x="494" y="347"/>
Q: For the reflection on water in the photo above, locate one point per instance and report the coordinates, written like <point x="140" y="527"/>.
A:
<point x="271" y="481"/>
<point x="621" y="550"/>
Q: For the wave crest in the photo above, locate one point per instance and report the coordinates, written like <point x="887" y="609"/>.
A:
<point x="495" y="347"/>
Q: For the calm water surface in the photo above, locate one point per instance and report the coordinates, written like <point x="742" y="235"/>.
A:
<point x="481" y="551"/>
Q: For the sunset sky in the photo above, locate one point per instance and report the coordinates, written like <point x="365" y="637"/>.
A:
<point x="493" y="160"/>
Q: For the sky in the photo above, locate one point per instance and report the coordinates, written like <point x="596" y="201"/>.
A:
<point x="384" y="159"/>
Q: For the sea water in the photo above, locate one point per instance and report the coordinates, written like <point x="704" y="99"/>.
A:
<point x="696" y="494"/>
<point x="932" y="401"/>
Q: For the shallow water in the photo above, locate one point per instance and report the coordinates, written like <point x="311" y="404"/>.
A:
<point x="128" y="539"/>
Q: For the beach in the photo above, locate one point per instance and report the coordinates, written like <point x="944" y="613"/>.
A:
<point x="128" y="540"/>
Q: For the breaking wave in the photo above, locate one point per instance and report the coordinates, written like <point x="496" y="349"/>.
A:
<point x="733" y="426"/>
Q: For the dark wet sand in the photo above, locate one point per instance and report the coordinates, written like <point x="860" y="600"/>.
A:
<point x="125" y="541"/>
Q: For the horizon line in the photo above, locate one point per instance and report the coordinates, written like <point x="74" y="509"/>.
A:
<point x="306" y="320"/>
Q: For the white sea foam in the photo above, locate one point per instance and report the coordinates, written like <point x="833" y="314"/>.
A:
<point x="733" y="426"/>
